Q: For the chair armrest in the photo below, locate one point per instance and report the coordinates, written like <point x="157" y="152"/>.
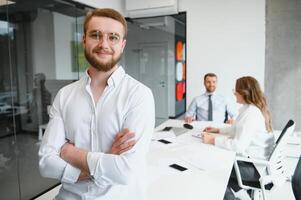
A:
<point x="253" y="160"/>
<point x="250" y="160"/>
<point x="275" y="179"/>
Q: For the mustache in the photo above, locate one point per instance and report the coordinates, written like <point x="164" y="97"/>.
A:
<point x="102" y="50"/>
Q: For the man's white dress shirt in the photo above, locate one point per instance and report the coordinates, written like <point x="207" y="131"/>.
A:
<point x="199" y="108"/>
<point x="248" y="136"/>
<point x="74" y="116"/>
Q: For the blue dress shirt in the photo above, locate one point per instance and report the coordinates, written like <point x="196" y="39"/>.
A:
<point x="199" y="108"/>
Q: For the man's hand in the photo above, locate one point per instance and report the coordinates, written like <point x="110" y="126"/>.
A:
<point x="67" y="150"/>
<point x="123" y="142"/>
<point x="75" y="156"/>
<point x="188" y="119"/>
<point x="84" y="176"/>
<point x="210" y="129"/>
<point x="230" y="121"/>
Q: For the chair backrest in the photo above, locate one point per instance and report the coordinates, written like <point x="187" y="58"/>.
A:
<point x="296" y="181"/>
<point x="276" y="159"/>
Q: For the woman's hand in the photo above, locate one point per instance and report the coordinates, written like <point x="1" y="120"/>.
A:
<point x="208" y="138"/>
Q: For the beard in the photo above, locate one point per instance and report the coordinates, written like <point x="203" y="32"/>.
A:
<point x="210" y="90"/>
<point x="99" y="65"/>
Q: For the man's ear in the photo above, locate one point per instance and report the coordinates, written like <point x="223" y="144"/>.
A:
<point x="123" y="45"/>
<point x="84" y="39"/>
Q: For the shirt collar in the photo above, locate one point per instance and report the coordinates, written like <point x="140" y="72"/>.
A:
<point x="244" y="107"/>
<point x="209" y="93"/>
<point x="114" y="79"/>
<point x="87" y="77"/>
<point x="116" y="76"/>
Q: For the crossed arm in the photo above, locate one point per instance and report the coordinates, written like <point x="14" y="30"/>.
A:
<point x="78" y="157"/>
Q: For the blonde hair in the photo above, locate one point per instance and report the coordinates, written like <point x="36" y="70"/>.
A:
<point x="106" y="12"/>
<point x="248" y="87"/>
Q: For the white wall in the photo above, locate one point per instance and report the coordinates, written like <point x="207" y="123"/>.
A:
<point x="116" y="4"/>
<point x="225" y="37"/>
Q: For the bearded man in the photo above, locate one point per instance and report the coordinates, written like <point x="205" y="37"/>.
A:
<point x="210" y="106"/>
<point x="100" y="126"/>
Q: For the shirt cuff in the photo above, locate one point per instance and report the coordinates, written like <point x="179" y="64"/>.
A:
<point x="93" y="159"/>
<point x="219" y="141"/>
<point x="71" y="174"/>
<point x="225" y="130"/>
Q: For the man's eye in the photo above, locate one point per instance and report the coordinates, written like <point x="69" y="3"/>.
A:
<point x="114" y="38"/>
<point x="95" y="35"/>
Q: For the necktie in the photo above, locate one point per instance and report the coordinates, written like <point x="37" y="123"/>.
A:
<point x="210" y="108"/>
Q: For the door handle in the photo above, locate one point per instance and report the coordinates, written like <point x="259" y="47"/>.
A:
<point x="162" y="83"/>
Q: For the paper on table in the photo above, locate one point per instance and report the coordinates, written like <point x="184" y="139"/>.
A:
<point x="201" y="125"/>
<point x="178" y="130"/>
<point x="293" y="151"/>
<point x="188" y="139"/>
<point x="197" y="134"/>
<point x="203" y="157"/>
<point x="158" y="165"/>
<point x="294" y="140"/>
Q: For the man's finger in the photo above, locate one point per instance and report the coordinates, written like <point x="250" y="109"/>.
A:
<point x="122" y="133"/>
<point x="124" y="138"/>
<point x="127" y="144"/>
<point x="123" y="147"/>
<point x="126" y="149"/>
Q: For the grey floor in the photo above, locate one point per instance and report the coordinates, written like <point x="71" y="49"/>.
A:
<point x="19" y="164"/>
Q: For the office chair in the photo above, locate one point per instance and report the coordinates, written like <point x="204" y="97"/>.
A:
<point x="275" y="169"/>
<point x="296" y="181"/>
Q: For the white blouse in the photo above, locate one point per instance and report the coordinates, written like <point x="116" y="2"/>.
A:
<point x="248" y="135"/>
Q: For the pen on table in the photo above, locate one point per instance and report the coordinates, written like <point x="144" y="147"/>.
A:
<point x="197" y="136"/>
<point x="206" y="129"/>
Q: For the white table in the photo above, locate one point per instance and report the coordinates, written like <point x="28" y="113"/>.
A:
<point x="208" y="171"/>
<point x="165" y="183"/>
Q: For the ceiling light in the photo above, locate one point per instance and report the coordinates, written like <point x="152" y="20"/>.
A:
<point x="6" y="2"/>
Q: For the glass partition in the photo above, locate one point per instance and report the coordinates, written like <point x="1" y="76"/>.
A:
<point x="156" y="55"/>
<point x="40" y="52"/>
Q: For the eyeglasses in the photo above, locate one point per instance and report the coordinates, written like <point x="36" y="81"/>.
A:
<point x="112" y="38"/>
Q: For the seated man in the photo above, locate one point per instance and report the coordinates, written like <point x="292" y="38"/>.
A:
<point x="210" y="106"/>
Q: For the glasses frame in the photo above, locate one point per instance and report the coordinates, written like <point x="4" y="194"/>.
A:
<point x="98" y="36"/>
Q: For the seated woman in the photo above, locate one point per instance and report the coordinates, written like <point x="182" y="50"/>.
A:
<point x="250" y="135"/>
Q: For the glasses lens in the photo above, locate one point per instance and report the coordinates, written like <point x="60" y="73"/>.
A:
<point x="112" y="38"/>
<point x="95" y="35"/>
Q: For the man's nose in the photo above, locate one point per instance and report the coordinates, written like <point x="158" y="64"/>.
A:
<point x="103" y="42"/>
